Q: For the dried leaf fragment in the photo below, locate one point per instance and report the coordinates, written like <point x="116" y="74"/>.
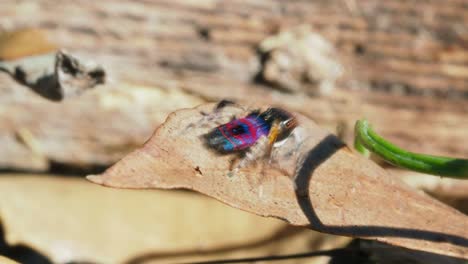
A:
<point x="93" y="221"/>
<point x="332" y="190"/>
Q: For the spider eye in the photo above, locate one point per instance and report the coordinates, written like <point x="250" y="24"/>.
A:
<point x="237" y="130"/>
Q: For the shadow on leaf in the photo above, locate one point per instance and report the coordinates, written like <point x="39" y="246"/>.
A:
<point x="319" y="154"/>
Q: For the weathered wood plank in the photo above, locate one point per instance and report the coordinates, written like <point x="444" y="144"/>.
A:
<point x="405" y="60"/>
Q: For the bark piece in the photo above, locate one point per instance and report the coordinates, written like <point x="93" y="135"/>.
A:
<point x="97" y="128"/>
<point x="55" y="76"/>
<point x="300" y="60"/>
<point x="337" y="191"/>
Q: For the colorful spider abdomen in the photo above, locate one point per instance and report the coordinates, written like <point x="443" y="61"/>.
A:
<point x="238" y="134"/>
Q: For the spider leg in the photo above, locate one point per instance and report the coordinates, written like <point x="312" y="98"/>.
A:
<point x="254" y="153"/>
<point x="223" y="103"/>
<point x="210" y="120"/>
<point x="261" y="149"/>
<point x="298" y="138"/>
<point x="216" y="116"/>
<point x="286" y="153"/>
<point x="277" y="129"/>
<point x="272" y="137"/>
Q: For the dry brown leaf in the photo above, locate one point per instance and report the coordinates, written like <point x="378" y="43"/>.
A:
<point x="451" y="191"/>
<point x="24" y="42"/>
<point x="68" y="219"/>
<point x="337" y="192"/>
<point x="6" y="260"/>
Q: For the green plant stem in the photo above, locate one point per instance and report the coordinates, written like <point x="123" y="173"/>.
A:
<point x="367" y="140"/>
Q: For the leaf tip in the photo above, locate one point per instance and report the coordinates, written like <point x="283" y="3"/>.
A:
<point x="95" y="179"/>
